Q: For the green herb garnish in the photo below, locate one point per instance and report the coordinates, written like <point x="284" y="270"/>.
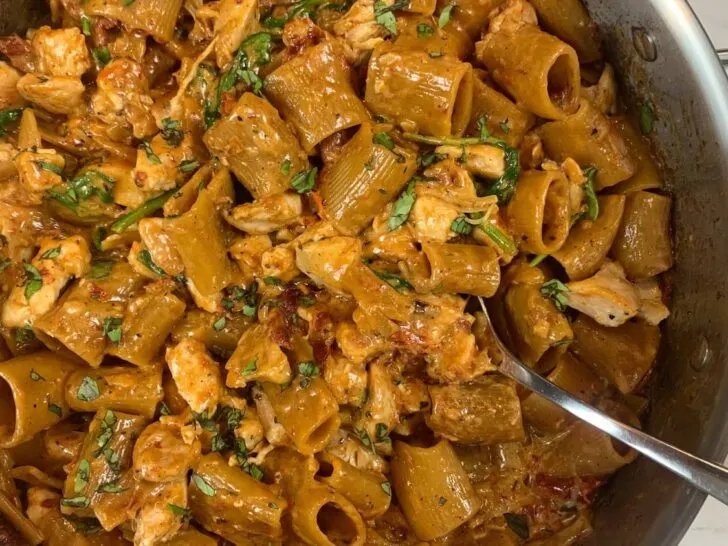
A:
<point x="402" y="207"/>
<point x="557" y="292"/>
<point x="33" y="280"/>
<point x="88" y="390"/>
<point x="304" y="181"/>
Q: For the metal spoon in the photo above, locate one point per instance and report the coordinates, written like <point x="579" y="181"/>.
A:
<point x="708" y="477"/>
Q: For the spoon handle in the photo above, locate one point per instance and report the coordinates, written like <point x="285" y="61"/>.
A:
<point x="709" y="477"/>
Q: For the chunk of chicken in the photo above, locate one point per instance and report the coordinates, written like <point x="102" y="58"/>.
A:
<point x="57" y="94"/>
<point x="513" y="15"/>
<point x="250" y="430"/>
<point x="157" y="167"/>
<point x="455" y="360"/>
<point x="55" y="264"/>
<point x="196" y="374"/>
<point x="360" y="31"/>
<point x="327" y="261"/>
<point x="607" y="297"/>
<point x="236" y="20"/>
<point x="41" y="503"/>
<point x="379" y="414"/>
<point x="531" y="151"/>
<point x="136" y="263"/>
<point x="155" y="523"/>
<point x="162" y="453"/>
<point x="603" y="95"/>
<point x="412" y="396"/>
<point x="248" y="254"/>
<point x="160" y="245"/>
<point x="60" y="52"/>
<point x="9" y="95"/>
<point x="39" y="171"/>
<point x="346" y="379"/>
<point x="123" y="94"/>
<point x="279" y="262"/>
<point x="257" y="358"/>
<point x="478" y="159"/>
<point x="652" y="308"/>
<point x="357" y="346"/>
<point x="267" y="214"/>
<point x="351" y="450"/>
<point x="432" y="218"/>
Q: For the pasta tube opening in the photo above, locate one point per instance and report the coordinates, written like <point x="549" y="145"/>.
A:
<point x="337" y="524"/>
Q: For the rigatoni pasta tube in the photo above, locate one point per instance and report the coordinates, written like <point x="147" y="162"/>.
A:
<point x="364" y="177"/>
<point x="148" y="320"/>
<point x="432" y="96"/>
<point x="463" y="269"/>
<point x="307" y="411"/>
<point x="623" y="354"/>
<point x="449" y="40"/>
<point x="487" y="411"/>
<point x="588" y="138"/>
<point x="540" y="71"/>
<point x="470" y="15"/>
<point x="362" y="488"/>
<point x="119" y="388"/>
<point x="643" y="245"/>
<point x="258" y="146"/>
<point x="539" y="215"/>
<point x="198" y="237"/>
<point x="589" y="241"/>
<point x="32" y="395"/>
<point x="647" y="175"/>
<point x="155" y="17"/>
<point x="570" y="21"/>
<point x="240" y="508"/>
<point x="503" y="119"/>
<point x="433" y="490"/>
<point x="313" y="92"/>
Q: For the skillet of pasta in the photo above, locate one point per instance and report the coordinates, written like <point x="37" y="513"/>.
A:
<point x="241" y="244"/>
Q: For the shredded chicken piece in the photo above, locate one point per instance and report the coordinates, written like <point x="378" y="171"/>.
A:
<point x="196" y="374"/>
<point x="248" y="253"/>
<point x="412" y="396"/>
<point x="267" y="214"/>
<point x="360" y="31"/>
<point x="346" y="379"/>
<point x="41" y="503"/>
<point x="161" y="453"/>
<point x="279" y="262"/>
<point x="432" y="218"/>
<point x="352" y="451"/>
<point x="123" y="94"/>
<point x="39" y="171"/>
<point x="607" y="297"/>
<point x="478" y="159"/>
<point x="60" y="52"/>
<point x="157" y="168"/>
<point x="274" y="431"/>
<point x="357" y="346"/>
<point x="9" y="95"/>
<point x="603" y="95"/>
<point x="513" y="15"/>
<point x="57" y="94"/>
<point x="250" y="430"/>
<point x="652" y="307"/>
<point x="155" y="523"/>
<point x="531" y="151"/>
<point x="456" y="361"/>
<point x="64" y="259"/>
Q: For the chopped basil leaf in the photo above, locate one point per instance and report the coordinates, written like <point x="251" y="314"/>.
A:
<point x="308" y="370"/>
<point x="251" y="367"/>
<point x="255" y="471"/>
<point x="80" y="480"/>
<point x="286" y="167"/>
<point x="304" y="181"/>
<point x="425" y="159"/>
<point x="382" y="434"/>
<point x="272" y="281"/>
<point x="383" y="139"/>
<point x="9" y="116"/>
<point x="647" y="118"/>
<point x="55" y="408"/>
<point x="387" y="488"/>
<point x="88" y="390"/>
<point x="219" y="324"/>
<point x="233" y="416"/>
<point x="86" y="25"/>
<point x="557" y="292"/>
<point x="402" y="207"/>
<point x="4" y="264"/>
<point x="164" y="409"/>
<point x="218" y="443"/>
<point x="505" y="127"/>
<point x="129" y="2"/>
<point x="444" y="17"/>
<point x="24" y="335"/>
<point x="206" y="421"/>
<point x="273" y="505"/>
<point x="592" y="202"/>
<point x="461" y="226"/>
<point x="106" y="431"/>
<point x="424" y="30"/>
<point x="204" y="487"/>
<point x="112" y="329"/>
<point x="151" y="156"/>
<point x="384" y="17"/>
<point x="306" y="301"/>
<point x="172" y="132"/>
<point x="51" y="253"/>
<point x="179" y="511"/>
<point x="100" y="269"/>
<point x="33" y="280"/>
<point x="518" y="524"/>
<point x="101" y="56"/>
<point x="50" y="167"/>
<point x="110" y="487"/>
<point x="364" y="438"/>
<point x="35" y="376"/>
<point x="395" y="281"/>
<point x="188" y="166"/>
<point x="76" y="502"/>
<point x="441" y="501"/>
<point x="145" y="257"/>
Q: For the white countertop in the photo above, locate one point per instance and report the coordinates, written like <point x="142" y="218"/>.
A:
<point x="710" y="528"/>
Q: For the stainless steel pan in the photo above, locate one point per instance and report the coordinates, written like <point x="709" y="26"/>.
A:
<point x="664" y="56"/>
